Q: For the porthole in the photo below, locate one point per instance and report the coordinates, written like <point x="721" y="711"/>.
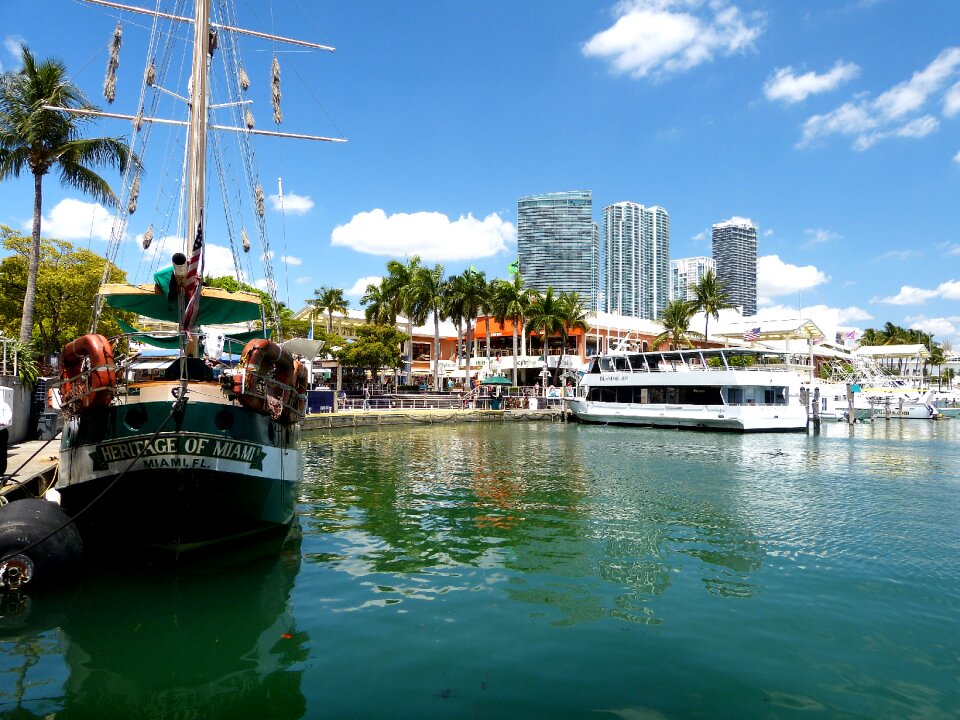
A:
<point x="223" y="420"/>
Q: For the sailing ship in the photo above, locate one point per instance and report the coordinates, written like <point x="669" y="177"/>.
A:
<point x="183" y="452"/>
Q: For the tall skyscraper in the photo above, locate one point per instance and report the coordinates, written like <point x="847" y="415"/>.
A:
<point x="636" y="243"/>
<point x="685" y="273"/>
<point x="735" y="253"/>
<point x="559" y="244"/>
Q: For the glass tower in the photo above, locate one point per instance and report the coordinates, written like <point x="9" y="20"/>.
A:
<point x="559" y="244"/>
<point x="636" y="242"/>
<point x="685" y="273"/>
<point x="735" y="253"/>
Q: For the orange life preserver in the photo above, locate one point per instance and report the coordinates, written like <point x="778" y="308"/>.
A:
<point x="256" y="361"/>
<point x="270" y="381"/>
<point x="295" y="400"/>
<point x="90" y="356"/>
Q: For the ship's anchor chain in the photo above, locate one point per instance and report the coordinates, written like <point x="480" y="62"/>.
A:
<point x="15" y="572"/>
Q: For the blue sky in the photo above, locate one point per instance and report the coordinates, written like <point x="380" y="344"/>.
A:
<point x="833" y="125"/>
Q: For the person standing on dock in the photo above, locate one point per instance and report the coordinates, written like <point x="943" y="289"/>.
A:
<point x="366" y="397"/>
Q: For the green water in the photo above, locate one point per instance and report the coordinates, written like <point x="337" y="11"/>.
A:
<point x="545" y="570"/>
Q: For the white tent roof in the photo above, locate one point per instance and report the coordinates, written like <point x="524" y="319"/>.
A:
<point x="893" y="351"/>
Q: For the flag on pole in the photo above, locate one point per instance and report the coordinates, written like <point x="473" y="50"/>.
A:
<point x="194" y="279"/>
<point x="310" y="336"/>
<point x="752" y="334"/>
<point x="850" y="335"/>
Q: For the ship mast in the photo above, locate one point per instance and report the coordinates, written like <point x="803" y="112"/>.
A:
<point x="196" y="175"/>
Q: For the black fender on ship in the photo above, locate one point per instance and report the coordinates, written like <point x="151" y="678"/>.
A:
<point x="24" y="529"/>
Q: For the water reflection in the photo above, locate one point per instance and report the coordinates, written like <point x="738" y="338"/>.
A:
<point x="205" y="641"/>
<point x="437" y="502"/>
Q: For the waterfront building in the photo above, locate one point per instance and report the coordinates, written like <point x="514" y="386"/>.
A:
<point x="735" y="255"/>
<point x="558" y="244"/>
<point x="636" y="243"/>
<point x="685" y="273"/>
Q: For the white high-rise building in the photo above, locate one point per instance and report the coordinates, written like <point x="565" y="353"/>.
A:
<point x="735" y="255"/>
<point x="685" y="273"/>
<point x="558" y="244"/>
<point x="636" y="261"/>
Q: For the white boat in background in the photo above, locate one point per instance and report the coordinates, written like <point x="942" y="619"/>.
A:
<point x="734" y="389"/>
<point x="906" y="407"/>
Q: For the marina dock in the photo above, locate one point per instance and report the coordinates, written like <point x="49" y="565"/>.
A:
<point x="31" y="465"/>
<point x="429" y="416"/>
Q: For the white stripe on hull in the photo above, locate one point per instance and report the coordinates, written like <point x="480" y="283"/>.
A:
<point x="721" y="417"/>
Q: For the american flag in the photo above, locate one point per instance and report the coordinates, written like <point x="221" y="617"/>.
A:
<point x="850" y="335"/>
<point x="194" y="277"/>
<point x="752" y="334"/>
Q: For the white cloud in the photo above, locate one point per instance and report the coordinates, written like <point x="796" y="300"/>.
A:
<point x="11" y="44"/>
<point x="853" y="314"/>
<point x="737" y="220"/>
<point x="360" y="286"/>
<point x="956" y="158"/>
<point x="886" y="115"/>
<point x="941" y="327"/>
<point x="292" y="203"/>
<point x="790" y="88"/>
<point x="916" y="128"/>
<point x="951" y="101"/>
<point x="907" y="296"/>
<point x="291" y="260"/>
<point x="699" y="237"/>
<point x="899" y="255"/>
<point x="302" y="280"/>
<point x="217" y="259"/>
<point x="662" y="37"/>
<point x="775" y="277"/>
<point x="818" y="236"/>
<point x="431" y="235"/>
<point x="768" y="232"/>
<point x="72" y="219"/>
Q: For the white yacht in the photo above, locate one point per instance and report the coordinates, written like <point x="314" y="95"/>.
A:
<point x="736" y="389"/>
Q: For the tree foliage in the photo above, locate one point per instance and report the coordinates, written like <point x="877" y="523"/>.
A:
<point x="376" y="346"/>
<point x="291" y="328"/>
<point x="68" y="279"/>
<point x="37" y="140"/>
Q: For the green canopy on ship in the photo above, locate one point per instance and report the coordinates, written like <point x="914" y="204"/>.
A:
<point x="232" y="342"/>
<point x="217" y="307"/>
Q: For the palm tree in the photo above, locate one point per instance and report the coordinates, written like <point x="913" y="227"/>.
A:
<point x="41" y="140"/>
<point x="425" y="295"/>
<point x="399" y="276"/>
<point x="675" y="318"/>
<point x="379" y="304"/>
<point x="574" y="315"/>
<point x="545" y="314"/>
<point x="329" y="300"/>
<point x="511" y="300"/>
<point x="486" y="307"/>
<point x="471" y="291"/>
<point x="710" y="298"/>
<point x="453" y="306"/>
<point x="871" y="337"/>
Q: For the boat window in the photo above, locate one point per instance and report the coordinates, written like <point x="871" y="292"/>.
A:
<point x="700" y="396"/>
<point x="594" y="366"/>
<point x="670" y="395"/>
<point x="625" y="395"/>
<point x="734" y="396"/>
<point x="608" y="394"/>
<point x="656" y="395"/>
<point x="636" y="362"/>
<point x="606" y="365"/>
<point x="620" y="362"/>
